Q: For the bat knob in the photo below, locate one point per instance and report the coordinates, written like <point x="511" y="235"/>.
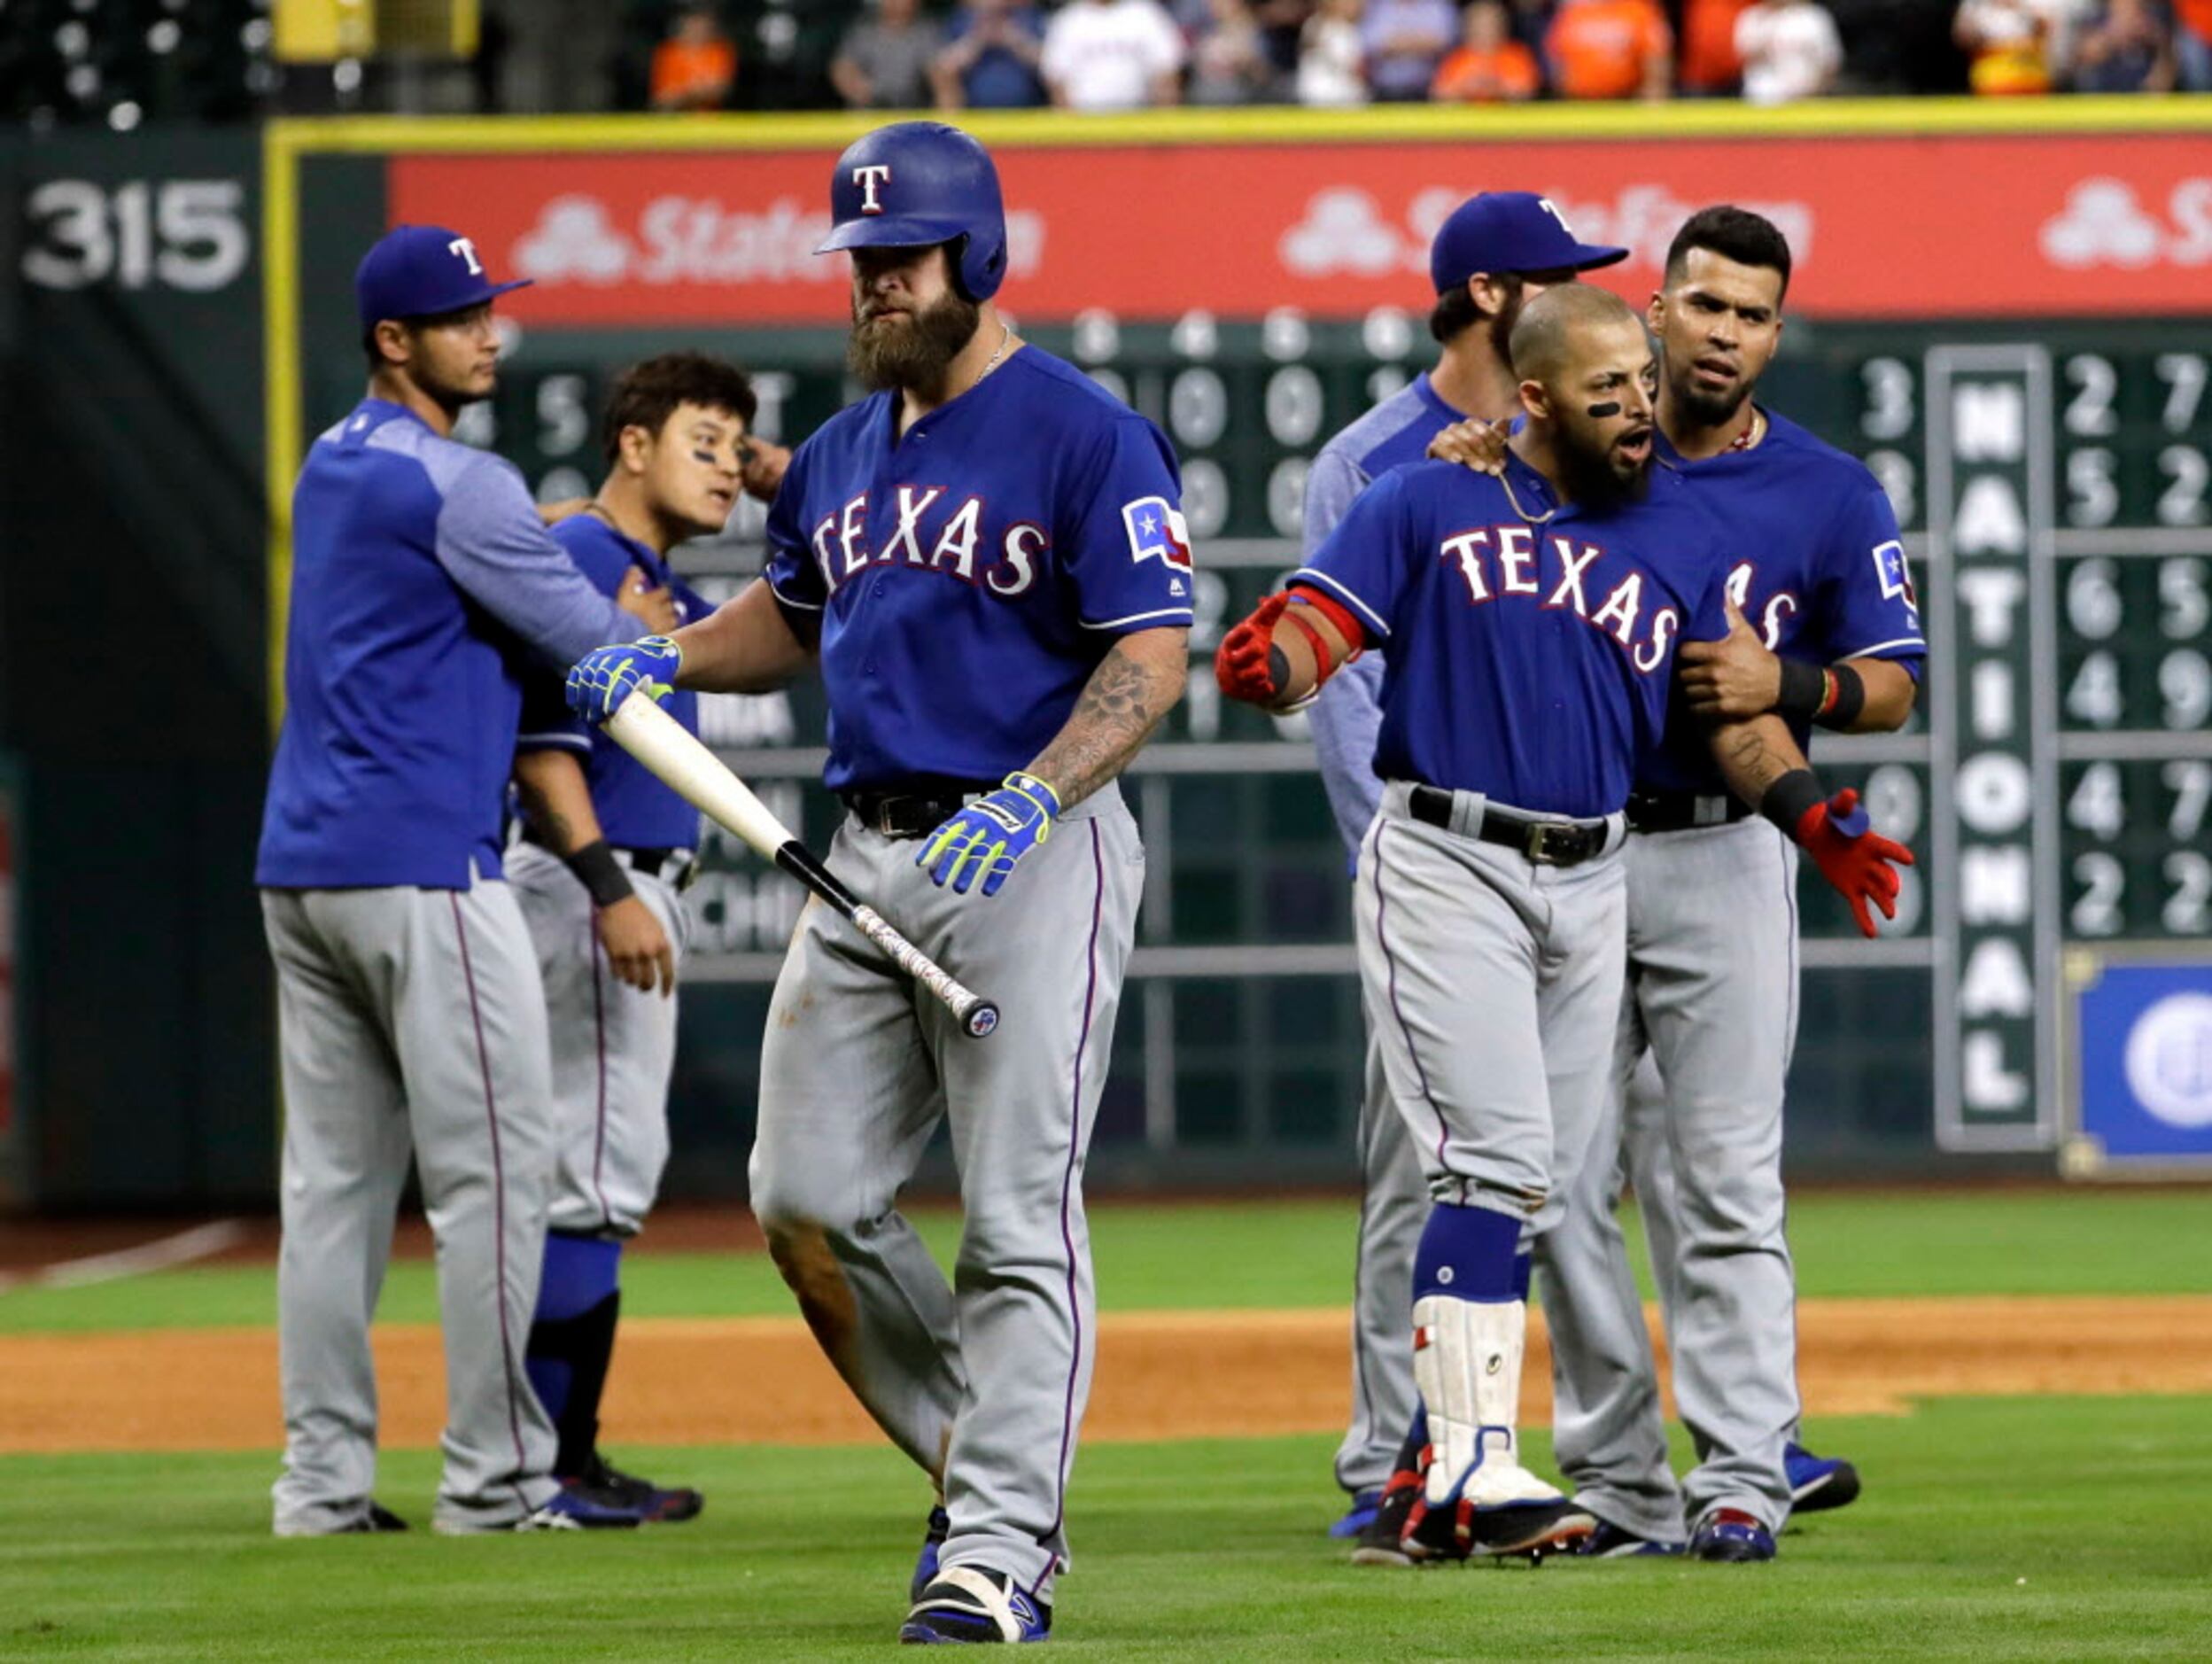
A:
<point x="983" y="1019"/>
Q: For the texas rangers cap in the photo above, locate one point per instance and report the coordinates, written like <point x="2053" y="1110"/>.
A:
<point x="417" y="271"/>
<point x="1509" y="230"/>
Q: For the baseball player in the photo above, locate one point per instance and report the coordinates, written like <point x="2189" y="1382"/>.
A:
<point x="988" y="558"/>
<point x="606" y="850"/>
<point x="1495" y="253"/>
<point x="409" y="1009"/>
<point x="1823" y="632"/>
<point x="1529" y="626"/>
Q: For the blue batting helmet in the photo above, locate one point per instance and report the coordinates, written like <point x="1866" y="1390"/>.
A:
<point x="914" y="183"/>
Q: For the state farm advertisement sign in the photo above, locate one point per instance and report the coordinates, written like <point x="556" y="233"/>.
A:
<point x="1920" y="228"/>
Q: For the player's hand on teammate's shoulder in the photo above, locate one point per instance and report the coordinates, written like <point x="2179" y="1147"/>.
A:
<point x="763" y="465"/>
<point x="604" y="678"/>
<point x="1733" y="678"/>
<point x="566" y="509"/>
<point x="637" y="948"/>
<point x="987" y="837"/>
<point x="649" y="603"/>
<point x="1473" y="443"/>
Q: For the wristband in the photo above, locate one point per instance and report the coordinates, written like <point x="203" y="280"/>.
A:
<point x="1803" y="688"/>
<point x="1789" y="799"/>
<point x="1846" y="698"/>
<point x="601" y="873"/>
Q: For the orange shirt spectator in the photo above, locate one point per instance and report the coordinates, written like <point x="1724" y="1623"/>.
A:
<point x="1611" y="49"/>
<point x="1489" y="66"/>
<point x="1710" y="60"/>
<point x="694" y="67"/>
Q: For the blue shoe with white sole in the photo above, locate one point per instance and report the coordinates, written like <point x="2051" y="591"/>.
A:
<point x="1818" y="1483"/>
<point x="1361" y="1511"/>
<point x="966" y="1605"/>
<point x="1731" y="1536"/>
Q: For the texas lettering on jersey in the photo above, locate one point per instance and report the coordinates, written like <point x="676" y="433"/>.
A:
<point x="932" y="529"/>
<point x="1501" y="562"/>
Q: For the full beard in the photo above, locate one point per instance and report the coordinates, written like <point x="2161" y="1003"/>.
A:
<point x="1593" y="480"/>
<point x="915" y="354"/>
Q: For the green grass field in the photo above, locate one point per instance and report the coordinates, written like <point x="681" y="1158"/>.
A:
<point x="2017" y="1528"/>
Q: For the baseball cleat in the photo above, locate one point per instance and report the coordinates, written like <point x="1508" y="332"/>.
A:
<point x="378" y="1518"/>
<point x="964" y="1603"/>
<point x="1729" y="1534"/>
<point x="573" y="1511"/>
<point x="940" y="1527"/>
<point x="1380" y="1538"/>
<point x="1610" y="1542"/>
<point x="1818" y="1483"/>
<point x="1361" y="1510"/>
<point x="602" y="1482"/>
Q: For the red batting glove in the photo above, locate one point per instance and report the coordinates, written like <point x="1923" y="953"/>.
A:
<point x="1240" y="663"/>
<point x="1861" y="864"/>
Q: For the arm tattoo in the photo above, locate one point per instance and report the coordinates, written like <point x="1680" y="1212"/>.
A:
<point x="552" y="826"/>
<point x="1126" y="698"/>
<point x="1750" y="764"/>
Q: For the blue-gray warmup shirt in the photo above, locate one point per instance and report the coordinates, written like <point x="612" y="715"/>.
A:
<point x="420" y="577"/>
<point x="1349" y="712"/>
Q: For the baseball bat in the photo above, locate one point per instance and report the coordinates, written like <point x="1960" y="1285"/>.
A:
<point x="695" y="774"/>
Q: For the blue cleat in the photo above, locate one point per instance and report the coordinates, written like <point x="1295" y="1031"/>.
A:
<point x="967" y="1605"/>
<point x="1609" y="1541"/>
<point x="1818" y="1483"/>
<point x="1364" y="1505"/>
<point x="1729" y="1534"/>
<point x="574" y="1511"/>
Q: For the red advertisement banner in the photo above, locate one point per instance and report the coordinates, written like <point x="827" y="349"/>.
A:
<point x="1925" y="227"/>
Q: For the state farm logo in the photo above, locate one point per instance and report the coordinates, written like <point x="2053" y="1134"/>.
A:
<point x="2103" y="224"/>
<point x="679" y="239"/>
<point x="1345" y="232"/>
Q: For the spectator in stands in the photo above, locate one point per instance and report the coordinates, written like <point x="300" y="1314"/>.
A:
<point x="2193" y="43"/>
<point x="1790" y="51"/>
<point x="1228" y="61"/>
<point x="1611" y="49"/>
<point x="991" y="63"/>
<point x="1709" y="65"/>
<point x="1489" y="66"/>
<point x="1113" y="55"/>
<point x="1331" y="60"/>
<point x="1405" y="40"/>
<point x="695" y="68"/>
<point x="2014" y="46"/>
<point x="883" y="62"/>
<point x="2124" y="48"/>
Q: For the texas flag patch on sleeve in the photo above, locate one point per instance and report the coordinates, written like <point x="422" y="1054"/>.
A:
<point x="1157" y="532"/>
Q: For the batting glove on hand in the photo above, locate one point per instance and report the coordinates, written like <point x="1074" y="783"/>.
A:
<point x="991" y="834"/>
<point x="604" y="678"/>
<point x="1240" y="663"/>
<point x="1859" y="862"/>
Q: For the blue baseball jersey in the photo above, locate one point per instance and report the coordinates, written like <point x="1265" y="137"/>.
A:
<point x="1345" y="717"/>
<point x="1529" y="662"/>
<point x="1815" y="563"/>
<point x="421" y="581"/>
<point x="636" y="811"/>
<point x="965" y="577"/>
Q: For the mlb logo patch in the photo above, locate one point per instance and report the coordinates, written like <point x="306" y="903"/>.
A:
<point x="1157" y="532"/>
<point x="1895" y="576"/>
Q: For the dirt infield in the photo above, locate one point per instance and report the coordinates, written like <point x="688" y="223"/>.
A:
<point x="1161" y="1374"/>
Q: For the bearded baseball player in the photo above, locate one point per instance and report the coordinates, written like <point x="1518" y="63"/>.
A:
<point x="1496" y="253"/>
<point x="1823" y="632"/>
<point x="607" y="849"/>
<point x="988" y="558"/>
<point x="1529" y="628"/>
<point x="412" y="1022"/>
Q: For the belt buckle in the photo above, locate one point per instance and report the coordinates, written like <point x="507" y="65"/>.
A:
<point x="1538" y="847"/>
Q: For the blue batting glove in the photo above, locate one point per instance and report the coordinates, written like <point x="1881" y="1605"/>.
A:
<point x="604" y="678"/>
<point x="991" y="834"/>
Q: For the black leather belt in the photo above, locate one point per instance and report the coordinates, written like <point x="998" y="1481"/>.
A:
<point x="651" y="861"/>
<point x="913" y="809"/>
<point x="1679" y="811"/>
<point x="1546" y="843"/>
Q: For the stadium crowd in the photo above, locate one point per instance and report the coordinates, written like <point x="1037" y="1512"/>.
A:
<point x="120" y="62"/>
